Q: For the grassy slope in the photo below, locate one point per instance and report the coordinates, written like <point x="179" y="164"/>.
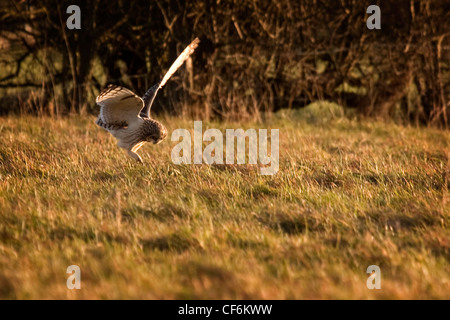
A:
<point x="348" y="195"/>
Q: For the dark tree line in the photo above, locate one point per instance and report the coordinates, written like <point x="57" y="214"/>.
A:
<point x="255" y="55"/>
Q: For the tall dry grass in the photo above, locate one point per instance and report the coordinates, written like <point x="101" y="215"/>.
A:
<point x="348" y="195"/>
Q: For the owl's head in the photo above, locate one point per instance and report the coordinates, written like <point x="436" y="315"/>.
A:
<point x="160" y="136"/>
<point x="157" y="132"/>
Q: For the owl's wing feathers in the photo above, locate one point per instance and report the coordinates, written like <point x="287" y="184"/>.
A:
<point x="180" y="60"/>
<point x="148" y="98"/>
<point x="150" y="95"/>
<point x="119" y="106"/>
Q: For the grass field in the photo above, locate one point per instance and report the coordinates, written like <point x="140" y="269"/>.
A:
<point x="348" y="195"/>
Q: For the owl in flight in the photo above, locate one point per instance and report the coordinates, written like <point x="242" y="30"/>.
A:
<point x="127" y="116"/>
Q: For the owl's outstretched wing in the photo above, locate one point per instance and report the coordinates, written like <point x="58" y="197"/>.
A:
<point x="119" y="106"/>
<point x="150" y="95"/>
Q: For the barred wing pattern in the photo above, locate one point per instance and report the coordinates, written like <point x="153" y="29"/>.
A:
<point x="119" y="106"/>
<point x="150" y="95"/>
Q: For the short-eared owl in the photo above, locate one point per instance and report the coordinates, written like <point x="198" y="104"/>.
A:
<point x="127" y="116"/>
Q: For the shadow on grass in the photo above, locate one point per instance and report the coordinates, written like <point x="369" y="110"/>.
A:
<point x="165" y="213"/>
<point x="203" y="279"/>
<point x="292" y="223"/>
<point x="176" y="242"/>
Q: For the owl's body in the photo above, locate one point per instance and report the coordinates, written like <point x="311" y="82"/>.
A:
<point x="133" y="136"/>
<point x="127" y="116"/>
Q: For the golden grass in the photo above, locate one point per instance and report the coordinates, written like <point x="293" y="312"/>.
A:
<point x="348" y="195"/>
